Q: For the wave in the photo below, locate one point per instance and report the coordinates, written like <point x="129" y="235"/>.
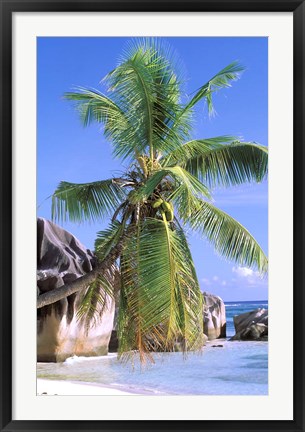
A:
<point x="245" y="304"/>
<point x="139" y="389"/>
<point x="232" y="305"/>
<point x="79" y="359"/>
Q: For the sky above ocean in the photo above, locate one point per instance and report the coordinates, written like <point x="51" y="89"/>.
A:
<point x="68" y="151"/>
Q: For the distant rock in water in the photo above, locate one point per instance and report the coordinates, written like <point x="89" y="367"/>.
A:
<point x="251" y="325"/>
<point x="214" y="316"/>
<point x="61" y="258"/>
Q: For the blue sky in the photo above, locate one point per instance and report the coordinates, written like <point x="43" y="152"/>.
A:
<point x="68" y="151"/>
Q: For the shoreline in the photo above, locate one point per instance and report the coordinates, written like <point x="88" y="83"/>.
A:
<point x="152" y="384"/>
<point x="50" y="387"/>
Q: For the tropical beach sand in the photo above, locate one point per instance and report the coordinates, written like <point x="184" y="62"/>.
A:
<point x="70" y="388"/>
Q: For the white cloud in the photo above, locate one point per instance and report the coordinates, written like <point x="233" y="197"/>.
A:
<point x="244" y="272"/>
<point x="206" y="281"/>
<point x="215" y="278"/>
<point x="249" y="277"/>
<point x="223" y="283"/>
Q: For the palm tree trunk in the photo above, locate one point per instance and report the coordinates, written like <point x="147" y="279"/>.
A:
<point x="82" y="282"/>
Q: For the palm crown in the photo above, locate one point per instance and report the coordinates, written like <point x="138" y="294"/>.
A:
<point x="165" y="189"/>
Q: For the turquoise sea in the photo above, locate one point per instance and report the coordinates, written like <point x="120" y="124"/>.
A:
<point x="231" y="368"/>
<point x="239" y="307"/>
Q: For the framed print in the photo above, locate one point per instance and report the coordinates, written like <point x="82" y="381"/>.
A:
<point x="164" y="236"/>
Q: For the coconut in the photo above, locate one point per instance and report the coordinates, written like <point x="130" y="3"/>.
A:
<point x="166" y="206"/>
<point x="157" y="203"/>
<point x="169" y="214"/>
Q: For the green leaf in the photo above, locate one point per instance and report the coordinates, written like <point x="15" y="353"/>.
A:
<point x="85" y="201"/>
<point x="221" y="80"/>
<point x="229" y="238"/>
<point x="160" y="296"/>
<point x="222" y="161"/>
<point x="97" y="299"/>
<point x="107" y="239"/>
<point x="147" y="88"/>
<point x="183" y="187"/>
<point x="191" y="301"/>
<point x="95" y="106"/>
<point x="133" y="79"/>
<point x="118" y="126"/>
<point x="195" y="148"/>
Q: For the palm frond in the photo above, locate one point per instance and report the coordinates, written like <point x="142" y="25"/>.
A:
<point x="229" y="238"/>
<point x="107" y="239"/>
<point x="97" y="299"/>
<point x="222" y="161"/>
<point x="159" y="295"/>
<point x="86" y="201"/>
<point x="221" y="80"/>
<point x="146" y="86"/>
<point x="133" y="82"/>
<point x="93" y="105"/>
<point x="185" y="187"/>
<point x="191" y="302"/>
<point x="193" y="148"/>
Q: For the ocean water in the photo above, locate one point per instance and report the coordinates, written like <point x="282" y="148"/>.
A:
<point x="234" y="368"/>
<point x="237" y="308"/>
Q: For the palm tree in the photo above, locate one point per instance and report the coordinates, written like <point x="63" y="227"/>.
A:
<point x="165" y="189"/>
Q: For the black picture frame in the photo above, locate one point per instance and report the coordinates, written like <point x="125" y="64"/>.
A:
<point x="7" y="9"/>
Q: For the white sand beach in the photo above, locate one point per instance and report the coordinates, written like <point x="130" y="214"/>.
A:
<point x="71" y="388"/>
